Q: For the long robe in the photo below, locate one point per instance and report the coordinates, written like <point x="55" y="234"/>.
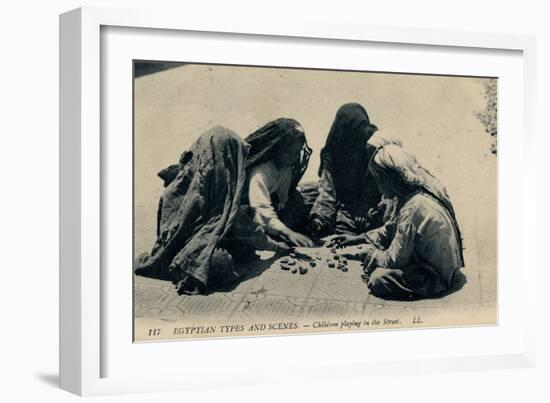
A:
<point x="199" y="207"/>
<point x="204" y="224"/>
<point x="430" y="185"/>
<point x="345" y="191"/>
<point x="417" y="252"/>
<point x="423" y="256"/>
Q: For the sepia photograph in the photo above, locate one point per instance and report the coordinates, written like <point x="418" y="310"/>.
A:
<point x="281" y="201"/>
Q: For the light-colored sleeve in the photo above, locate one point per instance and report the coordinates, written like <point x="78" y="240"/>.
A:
<point x="382" y="236"/>
<point x="252" y="234"/>
<point x="260" y="201"/>
<point x="398" y="254"/>
<point x="284" y="186"/>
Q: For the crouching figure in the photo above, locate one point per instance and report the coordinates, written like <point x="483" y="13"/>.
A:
<point x="418" y="251"/>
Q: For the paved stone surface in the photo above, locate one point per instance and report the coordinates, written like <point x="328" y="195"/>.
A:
<point x="435" y="117"/>
<point x="321" y="293"/>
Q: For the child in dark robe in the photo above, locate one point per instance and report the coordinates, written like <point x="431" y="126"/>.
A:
<point x="345" y="193"/>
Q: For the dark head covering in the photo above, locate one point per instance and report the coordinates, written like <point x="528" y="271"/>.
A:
<point x="198" y="206"/>
<point x="345" y="152"/>
<point x="271" y="139"/>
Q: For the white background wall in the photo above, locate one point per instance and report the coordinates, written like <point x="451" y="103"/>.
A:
<point x="29" y="209"/>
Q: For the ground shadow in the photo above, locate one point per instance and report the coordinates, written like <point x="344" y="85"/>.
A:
<point x="49" y="379"/>
<point x="248" y="271"/>
<point x="154" y="273"/>
<point x="458" y="283"/>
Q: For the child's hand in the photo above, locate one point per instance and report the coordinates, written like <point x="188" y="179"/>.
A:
<point x="315" y="228"/>
<point x="340" y="241"/>
<point x="360" y="222"/>
<point x="281" y="247"/>
<point x="299" y="240"/>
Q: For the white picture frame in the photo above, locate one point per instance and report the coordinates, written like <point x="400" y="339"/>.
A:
<point x="85" y="345"/>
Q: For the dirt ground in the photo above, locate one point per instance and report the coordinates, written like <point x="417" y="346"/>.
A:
<point x="435" y="117"/>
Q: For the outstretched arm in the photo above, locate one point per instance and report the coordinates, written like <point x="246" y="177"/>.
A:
<point x="399" y="252"/>
<point x="265" y="214"/>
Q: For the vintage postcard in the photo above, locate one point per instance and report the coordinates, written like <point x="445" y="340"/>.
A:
<point x="278" y="201"/>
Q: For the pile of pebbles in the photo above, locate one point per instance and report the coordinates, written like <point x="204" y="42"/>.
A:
<point x="337" y="261"/>
<point x="293" y="265"/>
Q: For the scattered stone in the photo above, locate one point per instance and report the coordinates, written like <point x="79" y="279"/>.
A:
<point x="333" y="250"/>
<point x="344" y="268"/>
<point x="294" y="270"/>
<point x="312" y="264"/>
<point x="284" y="260"/>
<point x="293" y="255"/>
<point x="360" y="247"/>
<point x="336" y="257"/>
<point x="331" y="264"/>
<point x="291" y="262"/>
<point x="303" y="270"/>
<point x="284" y="266"/>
